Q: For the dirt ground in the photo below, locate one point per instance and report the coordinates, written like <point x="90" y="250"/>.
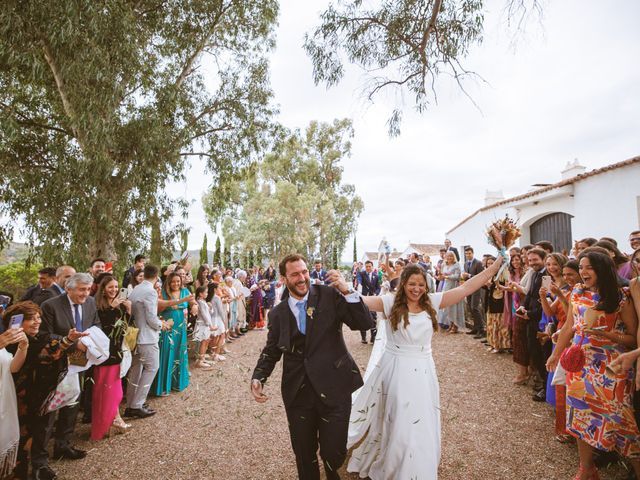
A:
<point x="492" y="430"/>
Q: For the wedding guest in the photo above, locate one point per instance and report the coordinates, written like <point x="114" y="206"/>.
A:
<point x="449" y="248"/>
<point x="545" y="245"/>
<point x="318" y="273"/>
<point x="97" y="267"/>
<point x="10" y="364"/>
<point x="40" y="292"/>
<point x="473" y="267"/>
<point x="144" y="363"/>
<point x="370" y="286"/>
<point x="138" y="265"/>
<point x="634" y="240"/>
<point x="238" y="285"/>
<point x="531" y="311"/>
<point x="257" y="320"/>
<point x="451" y="317"/>
<point x="44" y="367"/>
<point x="173" y="372"/>
<point x="584" y="243"/>
<point x="136" y="279"/>
<point x="498" y="337"/>
<point x="218" y="315"/>
<point x="553" y="314"/>
<point x="202" y="277"/>
<point x="113" y="312"/>
<point x="599" y="403"/>
<point x="623" y="266"/>
<point x="205" y="328"/>
<point x="570" y="276"/>
<point x="232" y="305"/>
<point x="63" y="274"/>
<point x="74" y="308"/>
<point x="270" y="273"/>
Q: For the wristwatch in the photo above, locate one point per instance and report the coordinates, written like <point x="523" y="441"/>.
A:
<point x="349" y="291"/>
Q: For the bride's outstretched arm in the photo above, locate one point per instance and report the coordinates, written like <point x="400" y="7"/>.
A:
<point x="373" y="303"/>
<point x="455" y="295"/>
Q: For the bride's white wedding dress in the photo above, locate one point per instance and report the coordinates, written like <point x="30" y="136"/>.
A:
<point x="396" y="413"/>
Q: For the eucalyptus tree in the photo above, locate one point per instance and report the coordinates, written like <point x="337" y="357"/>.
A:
<point x="403" y="46"/>
<point x="102" y="102"/>
<point x="295" y="200"/>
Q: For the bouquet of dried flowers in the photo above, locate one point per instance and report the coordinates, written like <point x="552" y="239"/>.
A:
<point x="502" y="234"/>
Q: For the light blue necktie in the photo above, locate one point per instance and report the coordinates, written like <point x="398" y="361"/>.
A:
<point x="77" y="317"/>
<point x="302" y="317"/>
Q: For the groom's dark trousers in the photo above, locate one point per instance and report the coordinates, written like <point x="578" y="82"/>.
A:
<point x="318" y="375"/>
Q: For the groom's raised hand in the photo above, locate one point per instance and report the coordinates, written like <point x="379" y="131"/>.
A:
<point x="256" y="391"/>
<point x="337" y="281"/>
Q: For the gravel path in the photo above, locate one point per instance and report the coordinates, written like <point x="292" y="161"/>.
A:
<point x="214" y="430"/>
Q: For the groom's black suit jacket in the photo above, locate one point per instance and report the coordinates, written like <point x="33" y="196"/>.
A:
<point x="321" y="355"/>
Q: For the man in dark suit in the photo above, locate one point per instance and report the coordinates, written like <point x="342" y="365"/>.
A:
<point x="319" y="274"/>
<point x="449" y="248"/>
<point x="39" y="293"/>
<point x="531" y="310"/>
<point x="472" y="267"/>
<point x="63" y="274"/>
<point x="370" y="283"/>
<point x="318" y="374"/>
<point x="73" y="309"/>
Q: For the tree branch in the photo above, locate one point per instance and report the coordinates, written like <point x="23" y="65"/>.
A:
<point x="26" y="121"/>
<point x="66" y="104"/>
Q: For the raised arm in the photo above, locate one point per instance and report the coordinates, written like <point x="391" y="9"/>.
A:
<point x="456" y="295"/>
<point x="374" y="304"/>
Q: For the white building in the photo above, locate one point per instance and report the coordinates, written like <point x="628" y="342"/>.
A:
<point x="599" y="203"/>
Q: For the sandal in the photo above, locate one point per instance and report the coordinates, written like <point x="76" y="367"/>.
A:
<point x="590" y="472"/>
<point x="564" y="438"/>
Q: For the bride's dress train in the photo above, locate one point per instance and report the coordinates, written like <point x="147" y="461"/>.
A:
<point x="396" y="413"/>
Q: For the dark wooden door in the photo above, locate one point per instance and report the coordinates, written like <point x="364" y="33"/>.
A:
<point x="556" y="228"/>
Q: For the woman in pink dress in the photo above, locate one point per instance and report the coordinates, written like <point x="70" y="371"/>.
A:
<point x="114" y="312"/>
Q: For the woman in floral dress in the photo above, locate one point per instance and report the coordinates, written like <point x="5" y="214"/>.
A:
<point x="600" y="402"/>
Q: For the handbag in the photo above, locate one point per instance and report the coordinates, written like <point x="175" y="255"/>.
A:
<point x="67" y="392"/>
<point x="131" y="337"/>
<point x="559" y="376"/>
<point x="573" y="358"/>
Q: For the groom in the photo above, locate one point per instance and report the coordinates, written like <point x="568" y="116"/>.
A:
<point x="318" y="374"/>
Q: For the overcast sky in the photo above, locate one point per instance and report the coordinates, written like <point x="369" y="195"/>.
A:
<point x="569" y="89"/>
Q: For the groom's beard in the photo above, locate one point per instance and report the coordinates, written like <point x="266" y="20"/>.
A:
<point x="300" y="288"/>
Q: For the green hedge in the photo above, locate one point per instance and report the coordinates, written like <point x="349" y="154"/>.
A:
<point x="16" y="277"/>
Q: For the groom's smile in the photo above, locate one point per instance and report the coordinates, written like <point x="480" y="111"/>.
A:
<point x="297" y="278"/>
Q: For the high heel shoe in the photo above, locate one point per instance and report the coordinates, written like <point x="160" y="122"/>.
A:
<point x="591" y="472"/>
<point x="119" y="426"/>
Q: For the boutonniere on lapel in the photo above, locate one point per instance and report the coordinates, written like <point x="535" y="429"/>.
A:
<point x="310" y="311"/>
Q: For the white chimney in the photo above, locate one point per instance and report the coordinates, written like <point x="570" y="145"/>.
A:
<point x="572" y="169"/>
<point x="493" y="196"/>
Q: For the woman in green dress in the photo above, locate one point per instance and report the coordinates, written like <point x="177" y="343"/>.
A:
<point x="174" y="362"/>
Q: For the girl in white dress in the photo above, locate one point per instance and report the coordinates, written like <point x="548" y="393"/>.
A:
<point x="396" y="413"/>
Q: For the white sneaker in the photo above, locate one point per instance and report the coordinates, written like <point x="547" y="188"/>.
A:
<point x="220" y="358"/>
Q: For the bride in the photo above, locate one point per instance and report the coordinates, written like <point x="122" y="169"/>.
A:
<point x="396" y="414"/>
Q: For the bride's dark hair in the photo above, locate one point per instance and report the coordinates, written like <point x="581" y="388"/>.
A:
<point x="400" y="309"/>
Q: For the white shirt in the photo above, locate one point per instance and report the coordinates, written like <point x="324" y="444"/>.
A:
<point x="353" y="297"/>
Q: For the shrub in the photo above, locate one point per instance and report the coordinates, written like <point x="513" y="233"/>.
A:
<point x="16" y="277"/>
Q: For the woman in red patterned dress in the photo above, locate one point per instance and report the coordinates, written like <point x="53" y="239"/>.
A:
<point x="599" y="402"/>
